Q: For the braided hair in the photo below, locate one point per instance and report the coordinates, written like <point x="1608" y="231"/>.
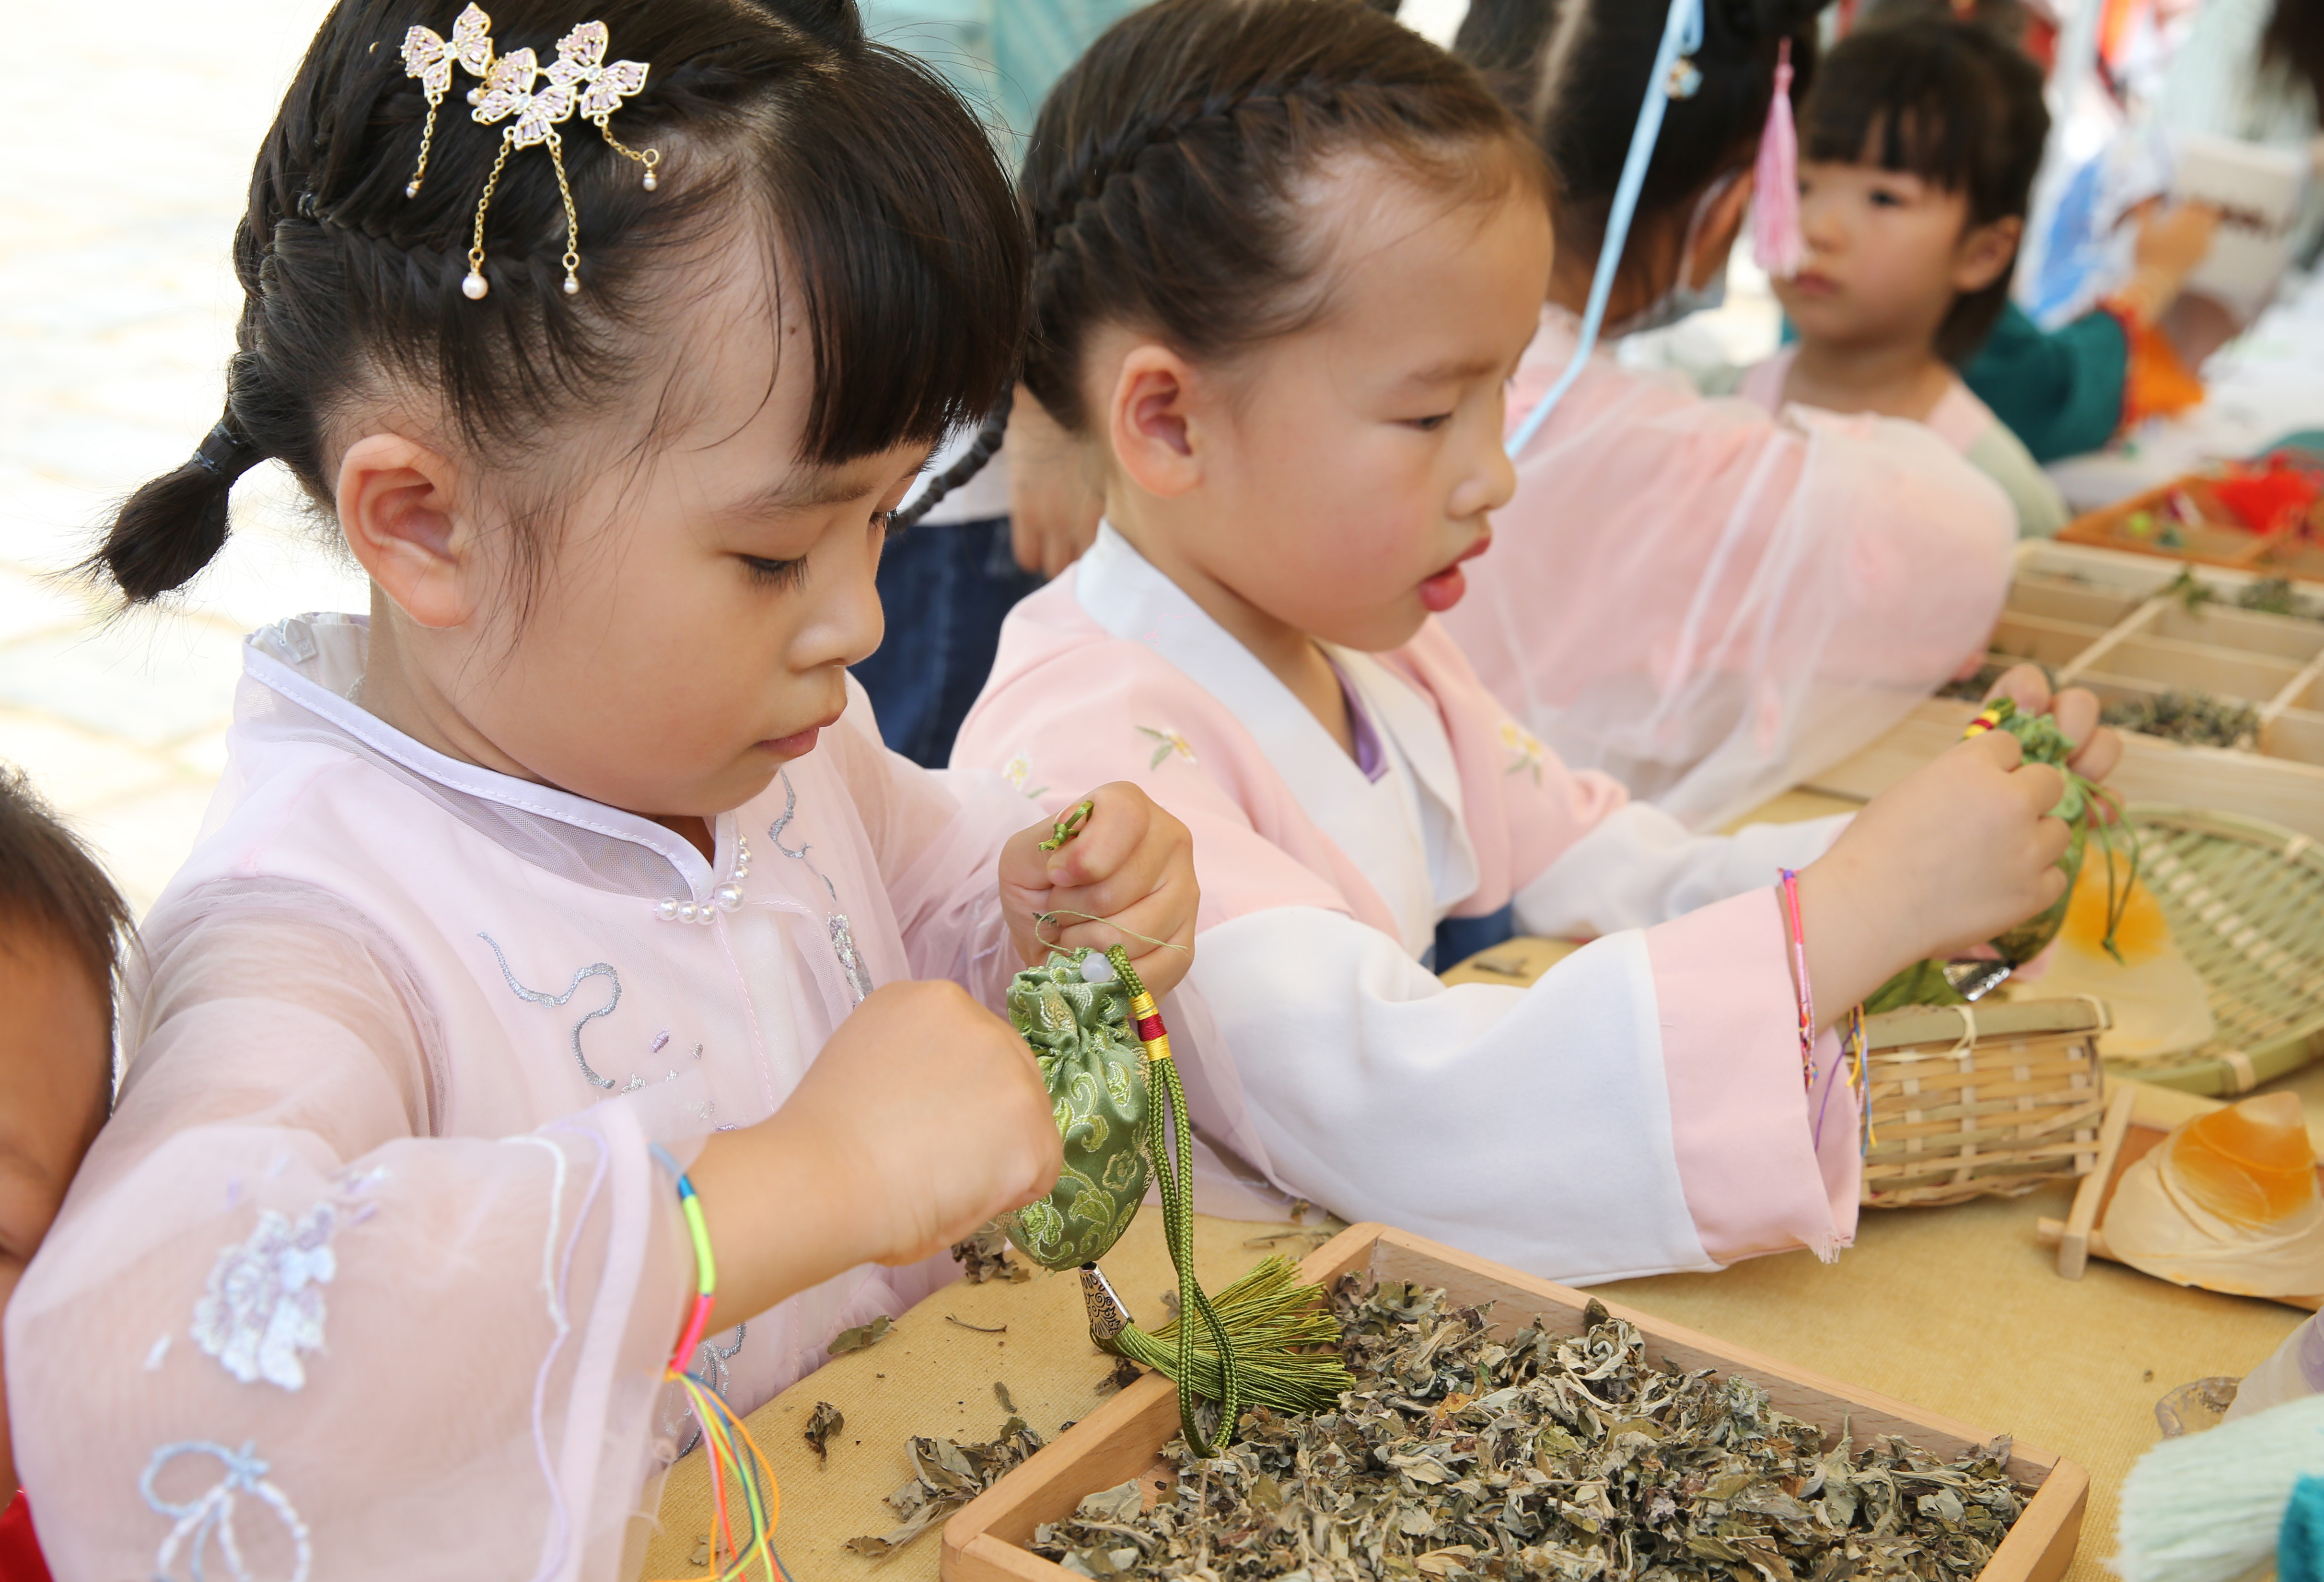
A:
<point x="1576" y="71"/>
<point x="863" y="174"/>
<point x="1161" y="182"/>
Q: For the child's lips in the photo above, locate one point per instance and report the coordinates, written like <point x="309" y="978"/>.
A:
<point x="1442" y="591"/>
<point x="1810" y="283"/>
<point x="798" y="743"/>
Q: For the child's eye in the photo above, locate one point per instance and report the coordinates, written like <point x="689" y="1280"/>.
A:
<point x="790" y="574"/>
<point x="1429" y="425"/>
<point x="1884" y="198"/>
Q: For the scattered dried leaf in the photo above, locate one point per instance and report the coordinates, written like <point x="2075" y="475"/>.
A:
<point x="945" y="1477"/>
<point x="986" y="1256"/>
<point x="825" y="1422"/>
<point x="862" y="1337"/>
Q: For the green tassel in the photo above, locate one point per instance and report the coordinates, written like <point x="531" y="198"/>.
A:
<point x="1285" y="1339"/>
<point x="1251" y="1344"/>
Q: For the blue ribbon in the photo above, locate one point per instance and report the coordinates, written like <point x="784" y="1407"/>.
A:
<point x="1681" y="37"/>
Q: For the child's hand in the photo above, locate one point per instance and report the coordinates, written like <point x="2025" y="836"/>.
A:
<point x="1960" y="851"/>
<point x="2097" y="748"/>
<point x="1132" y="864"/>
<point x="923" y="1117"/>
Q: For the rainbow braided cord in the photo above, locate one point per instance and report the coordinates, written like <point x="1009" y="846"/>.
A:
<point x="742" y="1480"/>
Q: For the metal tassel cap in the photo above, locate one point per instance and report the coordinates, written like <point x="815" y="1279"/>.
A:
<point x="1107" y="1316"/>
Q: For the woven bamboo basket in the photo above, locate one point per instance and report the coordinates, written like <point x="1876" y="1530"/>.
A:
<point x="1975" y="1101"/>
<point x="2244" y="901"/>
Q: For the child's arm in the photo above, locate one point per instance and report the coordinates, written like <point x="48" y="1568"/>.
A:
<point x="923" y="1117"/>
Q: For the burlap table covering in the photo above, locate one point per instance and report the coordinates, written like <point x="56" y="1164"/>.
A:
<point x="1958" y="1309"/>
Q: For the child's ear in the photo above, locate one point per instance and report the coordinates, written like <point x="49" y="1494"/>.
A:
<point x="1984" y="252"/>
<point x="395" y="504"/>
<point x="1150" y="420"/>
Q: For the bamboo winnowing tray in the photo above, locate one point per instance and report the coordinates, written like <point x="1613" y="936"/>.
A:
<point x="1123" y="1439"/>
<point x="2100" y="619"/>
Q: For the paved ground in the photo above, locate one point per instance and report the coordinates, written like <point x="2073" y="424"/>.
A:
<point x="116" y="315"/>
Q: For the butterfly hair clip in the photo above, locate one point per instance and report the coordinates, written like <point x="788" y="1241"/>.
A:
<point x="532" y="101"/>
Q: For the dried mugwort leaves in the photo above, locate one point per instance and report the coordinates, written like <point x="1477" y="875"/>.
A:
<point x="862" y="1337"/>
<point x="1567" y="1458"/>
<point x="825" y="1421"/>
<point x="986" y="1256"/>
<point x="945" y="1477"/>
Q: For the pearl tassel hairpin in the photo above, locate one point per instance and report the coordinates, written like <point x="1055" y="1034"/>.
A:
<point x="580" y="80"/>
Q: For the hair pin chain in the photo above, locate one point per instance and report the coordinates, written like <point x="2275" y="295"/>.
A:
<point x="580" y="80"/>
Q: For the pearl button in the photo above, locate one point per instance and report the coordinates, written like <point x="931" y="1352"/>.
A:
<point x="729" y="896"/>
<point x="667" y="910"/>
<point x="685" y="912"/>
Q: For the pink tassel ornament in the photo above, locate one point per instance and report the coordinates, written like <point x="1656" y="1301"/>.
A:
<point x="1777" y="246"/>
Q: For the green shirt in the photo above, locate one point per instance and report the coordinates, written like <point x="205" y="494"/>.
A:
<point x="2060" y="392"/>
<point x="1002" y="55"/>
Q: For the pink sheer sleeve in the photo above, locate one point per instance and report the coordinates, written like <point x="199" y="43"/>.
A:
<point x="1767" y="1162"/>
<point x="937" y="836"/>
<point x="277" y="1312"/>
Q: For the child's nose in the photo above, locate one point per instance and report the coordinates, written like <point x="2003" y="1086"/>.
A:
<point x="1490" y="480"/>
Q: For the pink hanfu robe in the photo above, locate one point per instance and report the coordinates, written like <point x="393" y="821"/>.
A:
<point x="1710" y="603"/>
<point x="373" y="1274"/>
<point x="1641" y="1108"/>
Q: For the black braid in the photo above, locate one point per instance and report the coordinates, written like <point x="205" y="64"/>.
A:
<point x="972" y="461"/>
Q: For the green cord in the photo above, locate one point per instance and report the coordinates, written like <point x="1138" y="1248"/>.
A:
<point x="1174" y="1175"/>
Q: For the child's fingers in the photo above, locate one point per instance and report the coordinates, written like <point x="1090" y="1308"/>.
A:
<point x="2040" y="787"/>
<point x="2026" y="685"/>
<point x="1121" y="815"/>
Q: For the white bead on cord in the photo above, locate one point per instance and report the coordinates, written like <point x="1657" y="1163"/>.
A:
<point x="727" y="897"/>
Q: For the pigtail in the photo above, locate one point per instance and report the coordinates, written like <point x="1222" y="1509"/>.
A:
<point x="972" y="461"/>
<point x="173" y="526"/>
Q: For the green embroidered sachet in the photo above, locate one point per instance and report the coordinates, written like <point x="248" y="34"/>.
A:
<point x="1091" y="1062"/>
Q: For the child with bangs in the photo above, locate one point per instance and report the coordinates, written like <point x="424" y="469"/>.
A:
<point x="573" y="873"/>
<point x="1918" y="148"/>
<point x="1287" y="255"/>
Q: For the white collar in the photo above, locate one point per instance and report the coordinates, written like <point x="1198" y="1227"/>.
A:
<point x="1132" y="599"/>
<point x="314" y="661"/>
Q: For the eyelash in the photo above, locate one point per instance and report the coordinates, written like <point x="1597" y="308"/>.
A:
<point x="1429" y="425"/>
<point x="789" y="574"/>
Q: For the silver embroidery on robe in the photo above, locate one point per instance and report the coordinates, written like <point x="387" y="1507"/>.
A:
<point x="206" y="1520"/>
<point x="710" y="1360"/>
<point x="595" y="969"/>
<point x="843" y="936"/>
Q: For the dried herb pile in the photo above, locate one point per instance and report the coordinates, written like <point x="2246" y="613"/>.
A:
<point x="1567" y="1458"/>
<point x="2191" y="716"/>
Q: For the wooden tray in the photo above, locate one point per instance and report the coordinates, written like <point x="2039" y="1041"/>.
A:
<point x="2187" y="522"/>
<point x="2100" y="619"/>
<point x="1123" y="1439"/>
<point x="2139" y="1116"/>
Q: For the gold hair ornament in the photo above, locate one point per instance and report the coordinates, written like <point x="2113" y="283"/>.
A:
<point x="580" y="79"/>
<point x="428" y="56"/>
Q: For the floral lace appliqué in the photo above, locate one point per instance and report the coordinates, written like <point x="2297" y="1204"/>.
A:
<point x="1171" y="741"/>
<point x="1526" y="749"/>
<point x="206" y="1523"/>
<point x="265" y="1303"/>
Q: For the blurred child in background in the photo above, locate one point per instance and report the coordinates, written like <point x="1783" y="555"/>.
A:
<point x="61" y="927"/>
<point x="1919" y="144"/>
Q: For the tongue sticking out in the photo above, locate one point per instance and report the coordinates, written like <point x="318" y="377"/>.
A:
<point x="1441" y="592"/>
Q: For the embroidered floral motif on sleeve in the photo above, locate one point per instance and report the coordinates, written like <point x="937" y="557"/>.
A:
<point x="265" y="1303"/>
<point x="207" y="1519"/>
<point x="1171" y="741"/>
<point x="1526" y="749"/>
<point x="1019" y="772"/>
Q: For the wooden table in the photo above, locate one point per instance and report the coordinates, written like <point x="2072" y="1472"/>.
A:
<point x="1956" y="1309"/>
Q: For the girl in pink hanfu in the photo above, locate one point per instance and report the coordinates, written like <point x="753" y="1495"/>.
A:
<point x="581" y="844"/>
<point x="1288" y="252"/>
<point x="1707" y="600"/>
